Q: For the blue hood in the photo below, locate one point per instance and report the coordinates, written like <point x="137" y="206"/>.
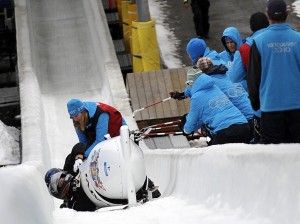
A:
<point x="233" y="34"/>
<point x="202" y="82"/>
<point x="214" y="56"/>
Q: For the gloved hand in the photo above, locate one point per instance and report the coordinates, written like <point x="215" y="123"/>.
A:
<point x="204" y="131"/>
<point x="177" y="95"/>
<point x="182" y="122"/>
<point x="180" y="126"/>
<point x="64" y="204"/>
<point x="77" y="164"/>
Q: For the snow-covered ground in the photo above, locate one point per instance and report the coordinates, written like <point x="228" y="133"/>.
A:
<point x="64" y="51"/>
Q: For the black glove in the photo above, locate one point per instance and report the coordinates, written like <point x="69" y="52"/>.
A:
<point x="64" y="204"/>
<point x="204" y="131"/>
<point x="182" y="122"/>
<point x="181" y="125"/>
<point x="177" y="95"/>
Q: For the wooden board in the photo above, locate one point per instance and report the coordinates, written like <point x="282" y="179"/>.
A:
<point x="148" y="88"/>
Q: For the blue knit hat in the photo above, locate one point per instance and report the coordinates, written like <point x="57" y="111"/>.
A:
<point x="196" y="48"/>
<point x="75" y="106"/>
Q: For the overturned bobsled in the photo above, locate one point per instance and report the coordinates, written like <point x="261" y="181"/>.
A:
<point x="114" y="170"/>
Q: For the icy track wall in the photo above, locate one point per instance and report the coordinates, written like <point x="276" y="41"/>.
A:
<point x="23" y="188"/>
<point x="261" y="183"/>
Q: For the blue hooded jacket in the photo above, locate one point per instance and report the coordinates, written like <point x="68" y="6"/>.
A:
<point x="234" y="91"/>
<point x="210" y="106"/>
<point x="101" y="128"/>
<point x="233" y="34"/>
<point x="214" y="56"/>
<point x="237" y="71"/>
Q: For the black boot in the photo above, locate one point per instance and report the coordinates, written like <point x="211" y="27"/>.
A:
<point x="153" y="189"/>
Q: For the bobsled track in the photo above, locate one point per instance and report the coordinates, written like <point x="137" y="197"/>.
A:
<point x="65" y="51"/>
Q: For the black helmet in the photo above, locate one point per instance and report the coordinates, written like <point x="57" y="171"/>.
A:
<point x="58" y="182"/>
<point x="49" y="174"/>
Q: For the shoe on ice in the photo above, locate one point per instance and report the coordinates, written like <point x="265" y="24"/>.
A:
<point x="155" y="193"/>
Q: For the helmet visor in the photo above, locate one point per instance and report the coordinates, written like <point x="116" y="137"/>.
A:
<point x="54" y="182"/>
<point x="60" y="184"/>
<point x="50" y="173"/>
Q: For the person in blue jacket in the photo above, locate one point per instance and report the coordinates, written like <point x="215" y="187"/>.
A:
<point x="196" y="48"/>
<point x="93" y="121"/>
<point x="234" y="91"/>
<point x="211" y="107"/>
<point x="231" y="41"/>
<point x="273" y="77"/>
<point x="192" y="75"/>
<point x="238" y="69"/>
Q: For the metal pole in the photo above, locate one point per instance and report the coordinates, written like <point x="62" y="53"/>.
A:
<point x="126" y="153"/>
<point x="143" y="11"/>
<point x="150" y="105"/>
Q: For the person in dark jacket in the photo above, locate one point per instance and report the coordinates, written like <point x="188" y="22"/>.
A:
<point x="74" y="159"/>
<point x="200" y="9"/>
<point x="65" y="186"/>
<point x="273" y="77"/>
